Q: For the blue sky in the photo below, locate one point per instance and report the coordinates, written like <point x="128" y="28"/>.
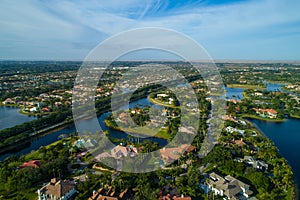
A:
<point x="227" y="29"/>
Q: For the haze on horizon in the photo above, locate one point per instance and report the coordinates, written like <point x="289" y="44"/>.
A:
<point x="227" y="29"/>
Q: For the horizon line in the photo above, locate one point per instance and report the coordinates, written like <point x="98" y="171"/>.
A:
<point x="159" y="60"/>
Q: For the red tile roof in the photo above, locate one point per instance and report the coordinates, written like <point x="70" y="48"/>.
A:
<point x="32" y="163"/>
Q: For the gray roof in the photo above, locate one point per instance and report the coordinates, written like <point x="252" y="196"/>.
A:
<point x="230" y="185"/>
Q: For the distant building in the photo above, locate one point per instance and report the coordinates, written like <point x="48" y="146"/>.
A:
<point x="8" y="101"/>
<point x="34" y="109"/>
<point x="57" y="189"/>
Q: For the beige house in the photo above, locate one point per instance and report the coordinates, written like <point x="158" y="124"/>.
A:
<point x="172" y="154"/>
<point x="57" y="189"/>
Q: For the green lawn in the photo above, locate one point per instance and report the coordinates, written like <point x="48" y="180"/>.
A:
<point x="246" y="86"/>
<point x="36" y="154"/>
<point x="161" y="103"/>
<point x="142" y="131"/>
<point x="295" y="116"/>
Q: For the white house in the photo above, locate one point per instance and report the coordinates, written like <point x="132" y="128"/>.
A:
<point x="231" y="130"/>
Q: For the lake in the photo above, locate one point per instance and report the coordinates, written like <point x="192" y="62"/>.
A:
<point x="286" y="137"/>
<point x="237" y="93"/>
<point x="233" y="93"/>
<point x="10" y="116"/>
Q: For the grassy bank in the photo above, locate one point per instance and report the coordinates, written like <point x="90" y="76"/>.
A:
<point x="292" y="193"/>
<point x="295" y="116"/>
<point x="21" y="142"/>
<point x="9" y="105"/>
<point x="161" y="103"/>
<point x="141" y="131"/>
<point x="261" y="118"/>
<point x="257" y="87"/>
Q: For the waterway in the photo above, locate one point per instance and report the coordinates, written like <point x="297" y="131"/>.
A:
<point x="285" y="135"/>
<point x="47" y="139"/>
<point x="10" y="116"/>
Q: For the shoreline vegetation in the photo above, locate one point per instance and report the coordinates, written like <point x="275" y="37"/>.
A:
<point x="295" y="116"/>
<point x="104" y="107"/>
<point x="161" y="134"/>
<point x="261" y="118"/>
<point x="23" y="112"/>
<point x="244" y="86"/>
<point x="42" y="132"/>
<point x="295" y="191"/>
<point x="154" y="101"/>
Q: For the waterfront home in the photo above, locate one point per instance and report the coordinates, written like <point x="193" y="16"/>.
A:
<point x="162" y="95"/>
<point x="33" y="109"/>
<point x="258" y="94"/>
<point x="8" y="101"/>
<point x="123" y="118"/>
<point x="232" y="130"/>
<point x="270" y="113"/>
<point x="228" y="186"/>
<point x="57" y="189"/>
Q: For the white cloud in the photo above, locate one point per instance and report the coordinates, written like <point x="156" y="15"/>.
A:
<point x="77" y="26"/>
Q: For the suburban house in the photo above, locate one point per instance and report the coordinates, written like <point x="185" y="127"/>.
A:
<point x="172" y="154"/>
<point x="8" y="101"/>
<point x="230" y="129"/>
<point x="121" y="151"/>
<point x="85" y="144"/>
<point x="162" y="95"/>
<point x="109" y="194"/>
<point x="123" y="118"/>
<point x="32" y="163"/>
<point x="257" y="164"/>
<point x="270" y="113"/>
<point x="229" y="187"/>
<point x="57" y="189"/>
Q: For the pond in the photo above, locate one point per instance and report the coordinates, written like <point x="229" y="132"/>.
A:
<point x="10" y="116"/>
